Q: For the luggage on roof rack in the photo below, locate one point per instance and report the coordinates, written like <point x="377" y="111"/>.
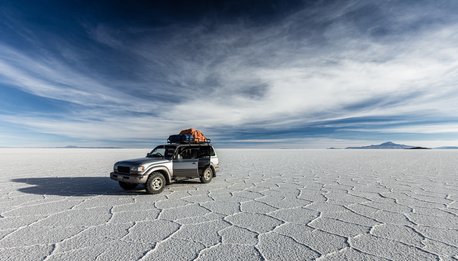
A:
<point x="188" y="136"/>
<point x="180" y="138"/>
<point x="196" y="134"/>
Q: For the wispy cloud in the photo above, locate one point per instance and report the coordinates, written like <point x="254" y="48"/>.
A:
<point x="236" y="80"/>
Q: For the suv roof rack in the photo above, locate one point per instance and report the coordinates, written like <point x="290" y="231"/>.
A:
<point x="207" y="142"/>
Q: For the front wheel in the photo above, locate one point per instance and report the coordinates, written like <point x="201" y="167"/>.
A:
<point x="207" y="175"/>
<point x="155" y="183"/>
<point x="127" y="186"/>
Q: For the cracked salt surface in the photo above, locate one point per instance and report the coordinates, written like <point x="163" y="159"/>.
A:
<point x="59" y="204"/>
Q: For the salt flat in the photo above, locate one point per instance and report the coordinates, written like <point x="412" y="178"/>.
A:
<point x="59" y="204"/>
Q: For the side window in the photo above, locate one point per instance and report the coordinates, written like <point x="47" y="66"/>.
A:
<point x="212" y="152"/>
<point x="169" y="152"/>
<point x="206" y="152"/>
<point x="185" y="153"/>
<point x="189" y="153"/>
<point x="194" y="153"/>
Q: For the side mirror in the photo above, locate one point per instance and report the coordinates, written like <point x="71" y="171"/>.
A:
<point x="148" y="154"/>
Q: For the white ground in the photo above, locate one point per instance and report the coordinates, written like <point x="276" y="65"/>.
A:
<point x="59" y="204"/>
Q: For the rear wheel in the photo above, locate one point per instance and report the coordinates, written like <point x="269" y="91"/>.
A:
<point x="207" y="175"/>
<point x="127" y="186"/>
<point x="155" y="183"/>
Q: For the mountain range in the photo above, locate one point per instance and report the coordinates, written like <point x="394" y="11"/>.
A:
<point x="386" y="145"/>
<point x="391" y="145"/>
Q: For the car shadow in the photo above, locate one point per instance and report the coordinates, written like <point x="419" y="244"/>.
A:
<point x="72" y="186"/>
<point x="81" y="186"/>
<point x="187" y="181"/>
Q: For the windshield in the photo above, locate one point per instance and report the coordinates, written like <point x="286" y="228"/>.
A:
<point x="163" y="151"/>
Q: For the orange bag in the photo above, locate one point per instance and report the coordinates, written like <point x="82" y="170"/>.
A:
<point x="197" y="134"/>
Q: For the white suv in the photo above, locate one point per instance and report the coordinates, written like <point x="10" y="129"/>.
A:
<point x="165" y="164"/>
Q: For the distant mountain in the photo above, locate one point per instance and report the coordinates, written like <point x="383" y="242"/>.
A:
<point x="387" y="145"/>
<point x="447" y="148"/>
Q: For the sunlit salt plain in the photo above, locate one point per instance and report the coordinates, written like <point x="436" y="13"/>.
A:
<point x="59" y="204"/>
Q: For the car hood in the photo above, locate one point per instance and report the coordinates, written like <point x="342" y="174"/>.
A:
<point x="140" y="161"/>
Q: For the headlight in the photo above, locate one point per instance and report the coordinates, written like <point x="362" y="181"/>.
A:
<point x="115" y="168"/>
<point x="138" y="169"/>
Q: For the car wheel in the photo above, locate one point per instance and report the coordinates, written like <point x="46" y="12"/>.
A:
<point x="207" y="175"/>
<point x="127" y="186"/>
<point x="155" y="183"/>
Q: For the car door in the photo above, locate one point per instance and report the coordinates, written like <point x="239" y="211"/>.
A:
<point x="185" y="164"/>
<point x="204" y="158"/>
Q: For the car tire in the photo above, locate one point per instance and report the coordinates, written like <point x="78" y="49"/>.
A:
<point x="207" y="175"/>
<point x="155" y="183"/>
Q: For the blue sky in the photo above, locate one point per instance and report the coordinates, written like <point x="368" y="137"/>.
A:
<point x="247" y="73"/>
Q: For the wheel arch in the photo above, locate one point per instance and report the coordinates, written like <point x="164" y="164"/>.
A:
<point x="164" y="171"/>
<point x="213" y="169"/>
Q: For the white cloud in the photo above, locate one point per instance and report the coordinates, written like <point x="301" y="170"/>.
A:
<point x="302" y="88"/>
<point x="238" y="75"/>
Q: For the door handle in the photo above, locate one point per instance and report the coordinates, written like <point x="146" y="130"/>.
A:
<point x="194" y="163"/>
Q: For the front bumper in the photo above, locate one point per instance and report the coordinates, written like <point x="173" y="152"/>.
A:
<point x="137" y="179"/>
